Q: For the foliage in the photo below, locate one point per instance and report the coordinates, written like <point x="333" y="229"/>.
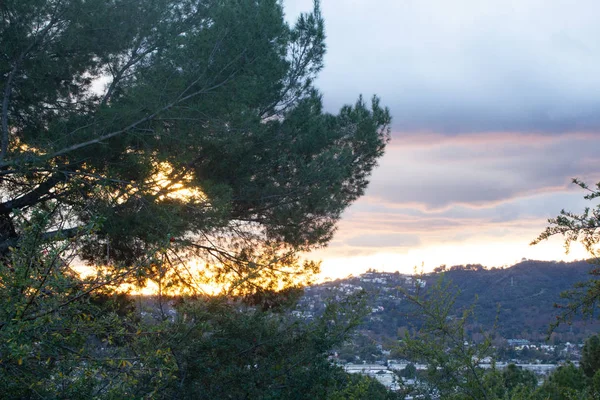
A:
<point x="363" y="387"/>
<point x="441" y="343"/>
<point x="191" y="348"/>
<point x="359" y="347"/>
<point x="514" y="377"/>
<point x="179" y="143"/>
<point x="590" y="356"/>
<point x="216" y="349"/>
<point x="207" y="141"/>
<point x="53" y="325"/>
<point x="567" y="382"/>
<point x="583" y="228"/>
<point x="410" y="372"/>
<point x="453" y="372"/>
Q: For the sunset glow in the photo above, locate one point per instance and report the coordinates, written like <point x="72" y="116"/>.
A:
<point x="494" y="112"/>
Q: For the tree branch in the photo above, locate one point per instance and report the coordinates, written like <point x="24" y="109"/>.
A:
<point x="9" y="83"/>
<point x="35" y="195"/>
<point x="59" y="234"/>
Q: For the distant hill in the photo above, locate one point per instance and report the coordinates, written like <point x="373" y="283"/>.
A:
<point x="526" y="293"/>
<point x="522" y="297"/>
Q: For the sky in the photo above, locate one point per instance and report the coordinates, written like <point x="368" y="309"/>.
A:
<point x="495" y="109"/>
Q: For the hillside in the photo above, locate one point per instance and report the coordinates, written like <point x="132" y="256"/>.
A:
<point x="522" y="297"/>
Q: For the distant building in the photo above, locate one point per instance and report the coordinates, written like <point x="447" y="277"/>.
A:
<point x="518" y="342"/>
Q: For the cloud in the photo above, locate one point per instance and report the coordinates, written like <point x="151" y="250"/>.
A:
<point x="466" y="65"/>
<point x="459" y="230"/>
<point x="384" y="240"/>
<point x="495" y="109"/>
<point x="437" y="175"/>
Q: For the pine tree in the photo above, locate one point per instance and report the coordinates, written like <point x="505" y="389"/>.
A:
<point x="180" y="142"/>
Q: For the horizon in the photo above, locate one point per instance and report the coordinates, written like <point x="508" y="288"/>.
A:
<point x="418" y="272"/>
<point x="493" y="109"/>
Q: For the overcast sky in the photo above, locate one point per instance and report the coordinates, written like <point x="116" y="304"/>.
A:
<point x="495" y="106"/>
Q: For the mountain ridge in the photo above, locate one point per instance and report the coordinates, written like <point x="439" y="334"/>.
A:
<point x="520" y="298"/>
